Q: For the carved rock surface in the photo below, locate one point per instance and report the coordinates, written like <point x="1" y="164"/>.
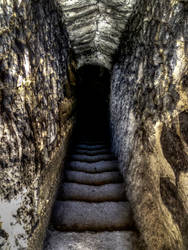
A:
<point x="149" y="105"/>
<point x="95" y="27"/>
<point x="149" y="110"/>
<point x="35" y="118"/>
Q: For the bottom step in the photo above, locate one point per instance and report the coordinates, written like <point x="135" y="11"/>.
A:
<point x="116" y="240"/>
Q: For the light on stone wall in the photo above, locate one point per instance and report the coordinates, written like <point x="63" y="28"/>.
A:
<point x="95" y="28"/>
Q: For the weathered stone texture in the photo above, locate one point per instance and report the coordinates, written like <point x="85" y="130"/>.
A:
<point x="95" y="27"/>
<point x="149" y="107"/>
<point x="35" y="117"/>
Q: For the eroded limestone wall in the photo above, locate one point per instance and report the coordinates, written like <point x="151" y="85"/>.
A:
<point x="95" y="27"/>
<point x="149" y="120"/>
<point x="35" y="117"/>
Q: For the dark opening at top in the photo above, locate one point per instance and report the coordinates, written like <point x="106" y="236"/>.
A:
<point x="92" y="92"/>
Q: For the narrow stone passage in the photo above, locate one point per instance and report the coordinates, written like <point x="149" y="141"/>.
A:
<point x="91" y="211"/>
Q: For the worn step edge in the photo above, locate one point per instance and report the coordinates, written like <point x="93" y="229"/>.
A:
<point x="88" y="193"/>
<point x="98" y="167"/>
<point x="83" y="216"/>
<point x="93" y="179"/>
<point x="115" y="240"/>
<point x="91" y="153"/>
<point x="89" y="147"/>
<point x="96" y="158"/>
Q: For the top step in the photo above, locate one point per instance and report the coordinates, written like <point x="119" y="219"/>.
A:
<point x="91" y="147"/>
<point x="92" y="152"/>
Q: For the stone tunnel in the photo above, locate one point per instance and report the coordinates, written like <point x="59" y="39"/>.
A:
<point x="94" y="124"/>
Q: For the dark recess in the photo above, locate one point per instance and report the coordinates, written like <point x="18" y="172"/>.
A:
<point x="173" y="150"/>
<point x="92" y="93"/>
<point x="183" y="118"/>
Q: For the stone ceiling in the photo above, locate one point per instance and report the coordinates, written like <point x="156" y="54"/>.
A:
<point x="95" y="27"/>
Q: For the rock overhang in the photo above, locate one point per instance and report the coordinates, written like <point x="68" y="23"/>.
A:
<point x="95" y="28"/>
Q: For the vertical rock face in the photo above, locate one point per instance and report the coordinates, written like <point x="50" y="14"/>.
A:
<point x="35" y="117"/>
<point x="95" y="27"/>
<point x="149" y="109"/>
<point x="149" y="117"/>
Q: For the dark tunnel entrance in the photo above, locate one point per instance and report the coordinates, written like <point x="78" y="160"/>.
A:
<point x="91" y="204"/>
<point x="92" y="93"/>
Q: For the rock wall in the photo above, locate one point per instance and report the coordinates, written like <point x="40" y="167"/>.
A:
<point x="36" y="106"/>
<point x="95" y="27"/>
<point x="149" y="120"/>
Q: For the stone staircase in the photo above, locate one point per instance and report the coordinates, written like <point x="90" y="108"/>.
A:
<point x="91" y="211"/>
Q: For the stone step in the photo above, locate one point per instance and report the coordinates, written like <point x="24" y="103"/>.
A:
<point x="116" y="240"/>
<point x="93" y="158"/>
<point x="83" y="216"/>
<point x="93" y="152"/>
<point x="97" y="167"/>
<point x="93" y="179"/>
<point x="80" y="192"/>
<point x="91" y="147"/>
